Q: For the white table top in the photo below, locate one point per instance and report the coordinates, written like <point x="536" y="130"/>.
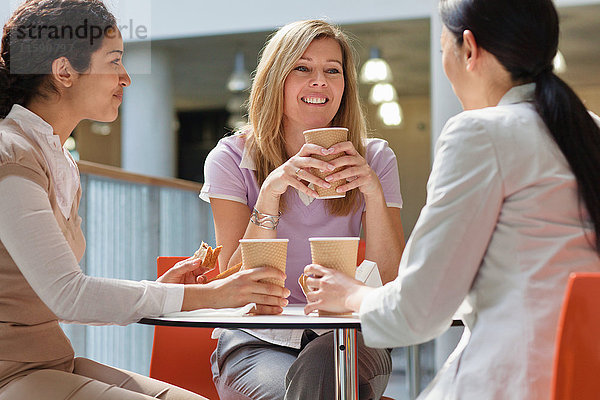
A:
<point x="292" y="318"/>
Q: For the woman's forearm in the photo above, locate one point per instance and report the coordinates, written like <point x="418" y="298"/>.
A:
<point x="384" y="236"/>
<point x="233" y="222"/>
<point x="236" y="258"/>
<point x="268" y="204"/>
<point x="30" y="233"/>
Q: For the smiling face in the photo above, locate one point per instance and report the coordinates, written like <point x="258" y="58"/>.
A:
<point x="97" y="93"/>
<point x="314" y="88"/>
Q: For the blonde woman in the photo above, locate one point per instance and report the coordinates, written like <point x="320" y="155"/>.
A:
<point x="259" y="185"/>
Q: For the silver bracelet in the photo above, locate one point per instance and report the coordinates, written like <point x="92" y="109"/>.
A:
<point x="265" y="221"/>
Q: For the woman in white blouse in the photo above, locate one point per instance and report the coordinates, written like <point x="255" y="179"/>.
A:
<point x="50" y="80"/>
<point x="513" y="207"/>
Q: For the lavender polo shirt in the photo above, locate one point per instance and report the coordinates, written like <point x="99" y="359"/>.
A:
<point x="229" y="174"/>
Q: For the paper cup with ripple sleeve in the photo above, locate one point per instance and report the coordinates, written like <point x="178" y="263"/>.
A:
<point x="327" y="137"/>
<point x="265" y="253"/>
<point x="339" y="253"/>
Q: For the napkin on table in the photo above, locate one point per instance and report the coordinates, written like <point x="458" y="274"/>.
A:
<point x="213" y="312"/>
<point x="368" y="273"/>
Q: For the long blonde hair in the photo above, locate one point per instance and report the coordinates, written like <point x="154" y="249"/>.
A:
<point x="265" y="111"/>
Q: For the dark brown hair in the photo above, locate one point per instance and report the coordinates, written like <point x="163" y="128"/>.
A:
<point x="523" y="36"/>
<point x="39" y="32"/>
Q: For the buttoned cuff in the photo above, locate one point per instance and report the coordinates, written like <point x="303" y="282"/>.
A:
<point x="371" y="321"/>
<point x="173" y="298"/>
<point x="370" y="303"/>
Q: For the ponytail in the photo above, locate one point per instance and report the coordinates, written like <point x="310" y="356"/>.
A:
<point x="523" y="36"/>
<point x="16" y="88"/>
<point x="578" y="137"/>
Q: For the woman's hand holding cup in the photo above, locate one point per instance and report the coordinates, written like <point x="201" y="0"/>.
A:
<point x="297" y="170"/>
<point x="239" y="289"/>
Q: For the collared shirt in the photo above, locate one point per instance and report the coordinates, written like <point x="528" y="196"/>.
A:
<point x="30" y="233"/>
<point x="230" y="174"/>
<point x="501" y="230"/>
<point x="65" y="173"/>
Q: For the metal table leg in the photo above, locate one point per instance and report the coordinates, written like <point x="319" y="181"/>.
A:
<point x="413" y="371"/>
<point x="346" y="378"/>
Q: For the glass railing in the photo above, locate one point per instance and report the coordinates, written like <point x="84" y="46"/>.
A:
<point x="128" y="221"/>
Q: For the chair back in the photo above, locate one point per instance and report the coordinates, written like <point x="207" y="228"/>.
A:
<point x="577" y="358"/>
<point x="181" y="356"/>
<point x="362" y="248"/>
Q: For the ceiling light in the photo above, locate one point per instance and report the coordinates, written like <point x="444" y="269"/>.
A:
<point x="390" y="113"/>
<point x="240" y="78"/>
<point x="382" y="93"/>
<point x="559" y="63"/>
<point x="376" y="69"/>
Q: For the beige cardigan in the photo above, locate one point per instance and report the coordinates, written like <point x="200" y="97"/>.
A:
<point x="29" y="330"/>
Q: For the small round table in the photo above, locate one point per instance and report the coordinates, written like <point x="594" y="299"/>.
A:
<point x="292" y="318"/>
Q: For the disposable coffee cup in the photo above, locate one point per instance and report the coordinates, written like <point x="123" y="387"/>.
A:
<point x="339" y="253"/>
<point x="327" y="137"/>
<point x="265" y="253"/>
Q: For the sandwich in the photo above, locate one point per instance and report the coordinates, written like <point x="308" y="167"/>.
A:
<point x="208" y="256"/>
<point x="209" y="259"/>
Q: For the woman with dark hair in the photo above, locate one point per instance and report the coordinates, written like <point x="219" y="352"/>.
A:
<point x="61" y="62"/>
<point x="513" y="208"/>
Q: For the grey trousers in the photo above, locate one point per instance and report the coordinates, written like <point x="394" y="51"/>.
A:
<point x="245" y="367"/>
<point x="83" y="379"/>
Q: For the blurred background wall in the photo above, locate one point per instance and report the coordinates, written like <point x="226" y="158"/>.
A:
<point x="179" y="104"/>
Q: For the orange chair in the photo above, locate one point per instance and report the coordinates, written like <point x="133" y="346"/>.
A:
<point x="362" y="248"/>
<point x="181" y="356"/>
<point x="577" y="358"/>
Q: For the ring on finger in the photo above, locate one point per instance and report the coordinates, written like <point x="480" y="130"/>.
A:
<point x="297" y="172"/>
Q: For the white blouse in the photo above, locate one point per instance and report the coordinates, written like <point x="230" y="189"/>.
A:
<point x="30" y="233"/>
<point x="65" y="173"/>
<point x="501" y="230"/>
